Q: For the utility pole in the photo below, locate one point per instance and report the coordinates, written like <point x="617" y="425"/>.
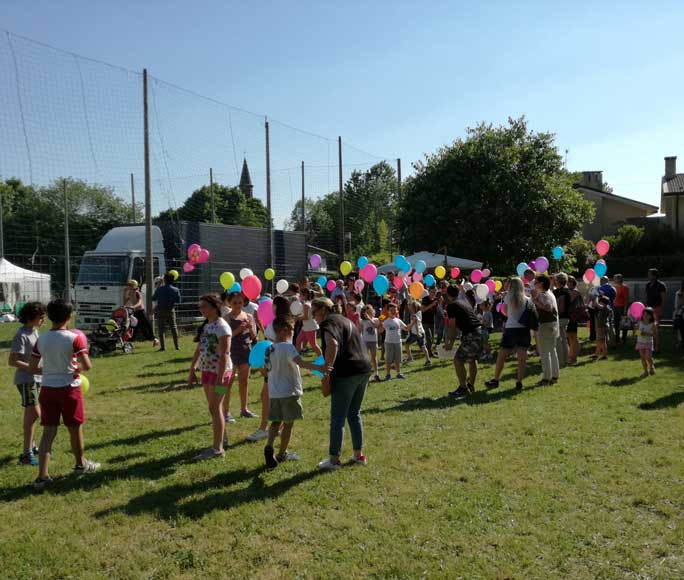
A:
<point x="306" y="259"/>
<point x="132" y="199"/>
<point x="2" y="228"/>
<point x="149" y="265"/>
<point x="398" y="200"/>
<point x="211" y="193"/>
<point x="339" y="160"/>
<point x="67" y="252"/>
<point x="269" y="237"/>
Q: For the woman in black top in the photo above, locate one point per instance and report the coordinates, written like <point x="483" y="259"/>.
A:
<point x="347" y="356"/>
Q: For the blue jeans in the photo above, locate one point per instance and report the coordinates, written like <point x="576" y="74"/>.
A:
<point x="345" y="406"/>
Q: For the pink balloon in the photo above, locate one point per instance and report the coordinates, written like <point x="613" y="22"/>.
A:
<point x="455" y="272"/>
<point x="417" y="277"/>
<point x="359" y="286"/>
<point x="486" y="273"/>
<point x="398" y="282"/>
<point x="491" y="285"/>
<point x="602" y="247"/>
<point x="188" y="267"/>
<point x="265" y="312"/>
<point x="589" y="274"/>
<point x="192" y="249"/>
<point x="203" y="256"/>
<point x="251" y="287"/>
<point x="476" y="276"/>
<point x="331" y="285"/>
<point x="532" y="265"/>
<point x="636" y="310"/>
<point x="369" y="272"/>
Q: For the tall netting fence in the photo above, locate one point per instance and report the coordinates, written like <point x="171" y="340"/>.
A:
<point x="72" y="156"/>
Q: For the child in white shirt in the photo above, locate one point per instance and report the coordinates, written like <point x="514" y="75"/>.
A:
<point x="369" y="333"/>
<point x="392" y="325"/>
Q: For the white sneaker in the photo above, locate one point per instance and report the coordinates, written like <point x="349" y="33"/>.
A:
<point x="362" y="460"/>
<point x="87" y="467"/>
<point x="258" y="435"/>
<point x="229" y="418"/>
<point x="327" y="465"/>
<point x="287" y="457"/>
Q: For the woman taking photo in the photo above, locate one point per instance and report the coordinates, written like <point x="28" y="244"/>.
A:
<point x="133" y="299"/>
<point x="548" y="333"/>
<point x="578" y="314"/>
<point x="347" y="357"/>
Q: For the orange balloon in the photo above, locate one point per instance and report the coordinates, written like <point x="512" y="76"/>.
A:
<point x="417" y="289"/>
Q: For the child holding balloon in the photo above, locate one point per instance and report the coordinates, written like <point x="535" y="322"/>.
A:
<point x="282" y="362"/>
<point x="645" y="334"/>
<point x="416" y="332"/>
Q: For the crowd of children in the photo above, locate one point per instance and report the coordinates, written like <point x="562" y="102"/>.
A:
<point x="48" y="366"/>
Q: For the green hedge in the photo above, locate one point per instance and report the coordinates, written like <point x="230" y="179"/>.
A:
<point x="637" y="266"/>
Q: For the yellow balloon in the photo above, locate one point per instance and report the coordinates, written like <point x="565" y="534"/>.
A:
<point x="345" y="268"/>
<point x="417" y="289"/>
<point x="440" y="272"/>
<point x="227" y="280"/>
<point x="269" y="274"/>
<point x="174" y="273"/>
<point x="85" y="384"/>
<point x="497" y="285"/>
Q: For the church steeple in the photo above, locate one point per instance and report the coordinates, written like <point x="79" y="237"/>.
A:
<point x="246" y="186"/>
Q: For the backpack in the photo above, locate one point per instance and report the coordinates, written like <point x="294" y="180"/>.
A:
<point x="530" y="317"/>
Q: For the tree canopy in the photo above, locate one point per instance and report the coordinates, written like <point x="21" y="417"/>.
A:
<point x="499" y="195"/>
<point x="232" y="208"/>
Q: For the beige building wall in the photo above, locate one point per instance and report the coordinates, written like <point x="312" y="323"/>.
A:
<point x="668" y="206"/>
<point x="610" y="213"/>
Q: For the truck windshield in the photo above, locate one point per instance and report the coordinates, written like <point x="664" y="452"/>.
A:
<point x="102" y="270"/>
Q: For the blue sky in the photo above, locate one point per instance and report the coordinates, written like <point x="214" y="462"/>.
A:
<point x="396" y="79"/>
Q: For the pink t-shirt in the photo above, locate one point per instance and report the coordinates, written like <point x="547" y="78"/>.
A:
<point x="59" y="350"/>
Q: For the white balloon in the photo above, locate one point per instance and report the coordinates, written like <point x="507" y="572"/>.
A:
<point x="481" y="291"/>
<point x="467" y="286"/>
<point x="296" y="308"/>
<point x="282" y="286"/>
<point x="245" y="272"/>
<point x="596" y="282"/>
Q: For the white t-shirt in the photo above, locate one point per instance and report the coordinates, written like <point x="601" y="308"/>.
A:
<point x="513" y="315"/>
<point x="417" y="328"/>
<point x="368" y="331"/>
<point x="209" y="341"/>
<point x="284" y="378"/>
<point x="309" y="324"/>
<point x="269" y="333"/>
<point x="393" y="328"/>
<point x="251" y="309"/>
<point x="58" y="350"/>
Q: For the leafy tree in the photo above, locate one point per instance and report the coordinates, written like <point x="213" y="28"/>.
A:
<point x="499" y="195"/>
<point x="579" y="255"/>
<point x="231" y="208"/>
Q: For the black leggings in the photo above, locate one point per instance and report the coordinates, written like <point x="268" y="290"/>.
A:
<point x="144" y="327"/>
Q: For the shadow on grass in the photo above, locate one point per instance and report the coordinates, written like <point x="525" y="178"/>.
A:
<point x="150" y="469"/>
<point x="144" y="437"/>
<point x="168" y="502"/>
<point x="445" y="402"/>
<point x="178" y="359"/>
<point x="168" y="386"/>
<point x="181" y="372"/>
<point x="624" y="381"/>
<point x="671" y="400"/>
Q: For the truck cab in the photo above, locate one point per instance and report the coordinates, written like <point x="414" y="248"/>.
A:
<point x="105" y="271"/>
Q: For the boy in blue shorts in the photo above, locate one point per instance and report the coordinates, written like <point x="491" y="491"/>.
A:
<point x="32" y="316"/>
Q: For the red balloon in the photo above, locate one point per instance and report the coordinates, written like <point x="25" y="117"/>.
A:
<point x="251" y="287"/>
<point x="455" y="272"/>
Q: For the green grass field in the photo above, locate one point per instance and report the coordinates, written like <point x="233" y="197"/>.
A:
<point x="581" y="480"/>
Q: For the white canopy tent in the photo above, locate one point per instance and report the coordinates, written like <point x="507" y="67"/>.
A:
<point x="433" y="260"/>
<point x="20" y="285"/>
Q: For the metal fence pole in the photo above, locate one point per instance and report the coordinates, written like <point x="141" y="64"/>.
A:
<point x="211" y="193"/>
<point x="149" y="266"/>
<point x="269" y="230"/>
<point x="341" y="200"/>
<point x="133" y="216"/>
<point x="67" y="249"/>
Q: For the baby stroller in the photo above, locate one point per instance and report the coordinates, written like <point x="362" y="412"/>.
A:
<point x="116" y="333"/>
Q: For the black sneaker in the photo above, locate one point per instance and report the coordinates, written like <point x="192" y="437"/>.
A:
<point x="269" y="455"/>
<point x="492" y="384"/>
<point x="460" y="392"/>
<point x="471" y="388"/>
<point x="40" y="484"/>
<point x="518" y="386"/>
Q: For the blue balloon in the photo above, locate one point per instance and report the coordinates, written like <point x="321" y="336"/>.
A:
<point x="381" y="284"/>
<point x="320" y="359"/>
<point x="600" y="268"/>
<point x="520" y="269"/>
<point x="362" y="262"/>
<point x="399" y="261"/>
<point x="429" y="280"/>
<point x="420" y="266"/>
<point x="557" y="252"/>
<point x="406" y="266"/>
<point x="235" y="288"/>
<point x="322" y="281"/>
<point x="257" y="356"/>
